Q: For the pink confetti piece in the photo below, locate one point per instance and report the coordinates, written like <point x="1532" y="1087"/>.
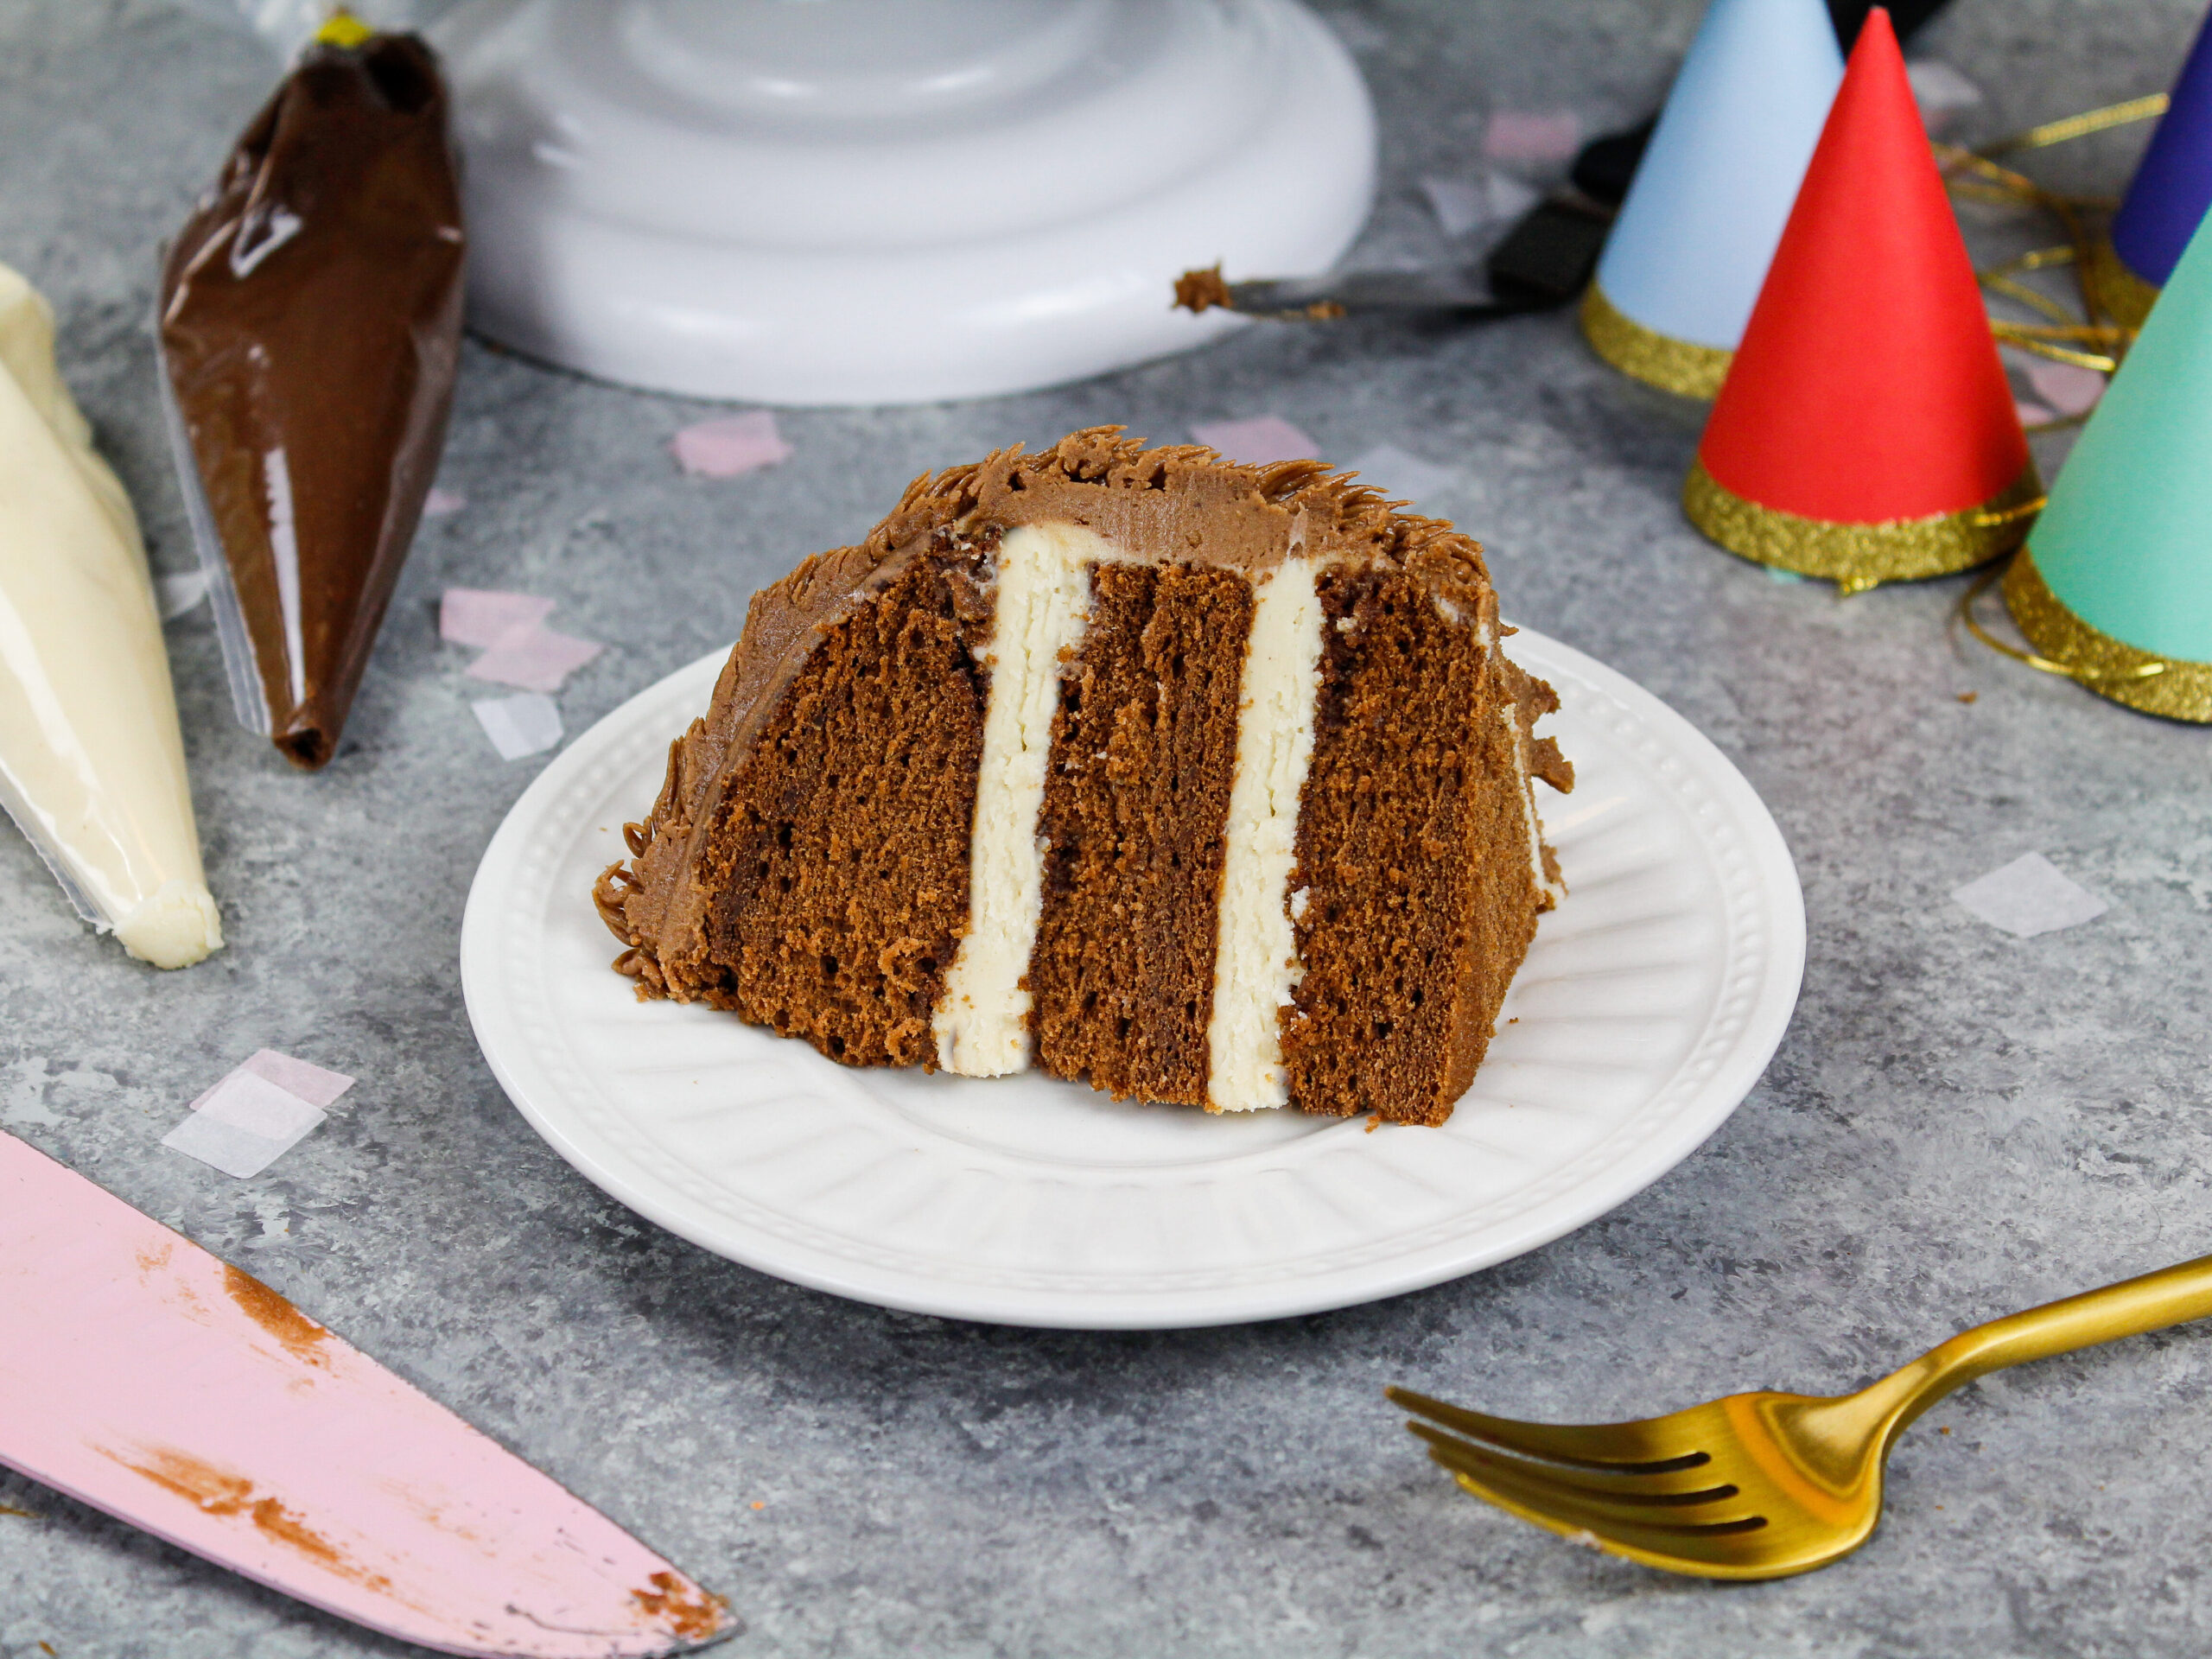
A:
<point x="442" y="504"/>
<point x="483" y="616"/>
<point x="310" y="1083"/>
<point x="1256" y="442"/>
<point x="2066" y="387"/>
<point x="1548" y="135"/>
<point x="2032" y="413"/>
<point x="518" y="727"/>
<point x="731" y="445"/>
<point x="533" y="659"/>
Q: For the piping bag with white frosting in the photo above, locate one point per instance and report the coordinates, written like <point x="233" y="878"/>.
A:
<point x="310" y="327"/>
<point x="91" y="765"/>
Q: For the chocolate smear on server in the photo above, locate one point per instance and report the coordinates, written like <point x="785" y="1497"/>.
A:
<point x="274" y="1313"/>
<point x="310" y="325"/>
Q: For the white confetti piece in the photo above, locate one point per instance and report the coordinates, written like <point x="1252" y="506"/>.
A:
<point x="533" y="659"/>
<point x="175" y="595"/>
<point x="1459" y="204"/>
<point x="526" y="725"/>
<point x="2032" y="413"/>
<point x="1510" y="197"/>
<point x="1941" y="91"/>
<point x="442" y="504"/>
<point x="2030" y="896"/>
<point x="1406" y="477"/>
<point x="1539" y="136"/>
<point x="484" y="616"/>
<point x="243" y="1124"/>
<point x="731" y="445"/>
<point x="1256" y="442"/>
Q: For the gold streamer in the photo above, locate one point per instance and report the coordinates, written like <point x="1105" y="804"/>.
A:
<point x="2064" y="643"/>
<point x="1645" y="354"/>
<point x="1971" y="174"/>
<point x="2112" y="290"/>
<point x="1857" y="557"/>
<point x="2027" y="509"/>
<point x="2030" y="338"/>
<point x="1999" y="280"/>
<point x="2108" y="288"/>
<point x="2079" y="126"/>
<point x="2068" y="646"/>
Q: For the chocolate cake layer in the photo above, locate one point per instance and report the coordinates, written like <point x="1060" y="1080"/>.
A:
<point x="1143" y="752"/>
<point x="1412" y="892"/>
<point x="826" y="877"/>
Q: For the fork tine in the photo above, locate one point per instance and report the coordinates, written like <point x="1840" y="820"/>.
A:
<point x="1646" y="1532"/>
<point x="1669" y="1489"/>
<point x="1662" y="1448"/>
<point x="1708" y="1552"/>
<point x="1679" y="1481"/>
<point x="1717" y="1506"/>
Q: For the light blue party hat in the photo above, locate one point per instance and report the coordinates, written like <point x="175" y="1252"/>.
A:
<point x="1690" y="249"/>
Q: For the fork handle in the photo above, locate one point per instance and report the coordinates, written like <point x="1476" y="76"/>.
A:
<point x="2171" y="1296"/>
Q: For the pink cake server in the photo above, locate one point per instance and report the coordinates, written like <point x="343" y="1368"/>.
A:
<point x="147" y="1378"/>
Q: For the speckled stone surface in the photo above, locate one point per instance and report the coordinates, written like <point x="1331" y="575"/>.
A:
<point x="1958" y="1124"/>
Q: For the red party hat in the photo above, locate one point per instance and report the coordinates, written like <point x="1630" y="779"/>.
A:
<point x="1865" y="432"/>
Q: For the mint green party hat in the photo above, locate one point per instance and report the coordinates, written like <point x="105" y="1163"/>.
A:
<point x="2115" y="583"/>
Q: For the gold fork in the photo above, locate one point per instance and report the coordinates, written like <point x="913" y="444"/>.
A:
<point x="1763" y="1485"/>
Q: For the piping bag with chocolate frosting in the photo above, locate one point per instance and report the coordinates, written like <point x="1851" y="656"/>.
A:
<point x="91" y="766"/>
<point x="311" y="323"/>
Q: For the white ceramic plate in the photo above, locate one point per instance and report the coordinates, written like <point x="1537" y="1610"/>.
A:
<point x="1649" y="1006"/>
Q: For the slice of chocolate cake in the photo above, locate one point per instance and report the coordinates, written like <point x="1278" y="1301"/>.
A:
<point x="1205" y="783"/>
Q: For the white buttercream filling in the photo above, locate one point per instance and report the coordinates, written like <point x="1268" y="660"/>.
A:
<point x="1256" y="958"/>
<point x="981" y="1021"/>
<point x="1527" y="785"/>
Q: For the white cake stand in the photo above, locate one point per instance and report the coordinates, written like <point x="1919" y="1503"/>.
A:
<point x="875" y="201"/>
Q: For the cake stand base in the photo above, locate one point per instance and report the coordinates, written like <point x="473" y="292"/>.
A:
<point x="885" y="202"/>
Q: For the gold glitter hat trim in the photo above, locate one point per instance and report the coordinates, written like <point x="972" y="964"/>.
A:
<point x="1646" y="354"/>
<point x="2157" y="685"/>
<point x="1859" y="557"/>
<point x="2111" y="287"/>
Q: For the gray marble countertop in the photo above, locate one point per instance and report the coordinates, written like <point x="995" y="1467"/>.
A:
<point x="1958" y="1124"/>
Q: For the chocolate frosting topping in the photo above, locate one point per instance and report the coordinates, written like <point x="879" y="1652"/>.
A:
<point x="310" y="324"/>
